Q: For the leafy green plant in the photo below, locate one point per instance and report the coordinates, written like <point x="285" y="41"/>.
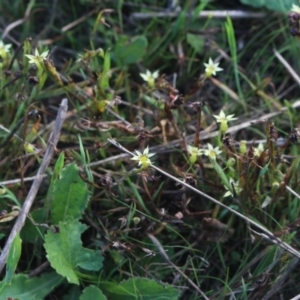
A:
<point x="176" y="172"/>
<point x="66" y="254"/>
<point x="280" y="5"/>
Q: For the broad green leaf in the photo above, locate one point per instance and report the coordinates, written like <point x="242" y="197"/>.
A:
<point x="13" y="259"/>
<point x="66" y="254"/>
<point x="130" y="52"/>
<point x="139" y="289"/>
<point x="24" y="288"/>
<point x="69" y="195"/>
<point x="278" y="5"/>
<point x="92" y="292"/>
<point x="196" y="42"/>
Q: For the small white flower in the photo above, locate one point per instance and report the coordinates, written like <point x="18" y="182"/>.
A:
<point x="212" y="152"/>
<point x="295" y="8"/>
<point x="236" y="186"/>
<point x="259" y="149"/>
<point x="221" y="117"/>
<point x="211" y="68"/>
<point x="37" y="58"/>
<point x="143" y="158"/>
<point x="150" y="77"/>
<point x="4" y="48"/>
<point x="194" y="151"/>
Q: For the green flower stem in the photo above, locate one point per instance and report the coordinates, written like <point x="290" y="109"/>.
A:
<point x="221" y="174"/>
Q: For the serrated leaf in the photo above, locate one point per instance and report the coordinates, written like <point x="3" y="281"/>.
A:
<point x="130" y="52"/>
<point x="69" y="195"/>
<point x="66" y="254"/>
<point x="25" y="288"/>
<point x="278" y="5"/>
<point x="139" y="289"/>
<point x="13" y="259"/>
<point x="92" y="292"/>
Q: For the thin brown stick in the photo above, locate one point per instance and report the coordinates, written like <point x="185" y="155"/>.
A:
<point x="18" y="22"/>
<point x="39" y="269"/>
<point x="198" y="128"/>
<point x="233" y="14"/>
<point x="287" y="66"/>
<point x="37" y="181"/>
<point x="78" y="21"/>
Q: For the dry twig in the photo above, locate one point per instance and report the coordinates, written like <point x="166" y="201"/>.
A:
<point x="37" y="181"/>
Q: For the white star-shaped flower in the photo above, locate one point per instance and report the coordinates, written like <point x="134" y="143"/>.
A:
<point x="150" y="77"/>
<point x="212" y="68"/>
<point x="143" y="158"/>
<point x="236" y="186"/>
<point x="221" y="117"/>
<point x="295" y="8"/>
<point x="194" y="151"/>
<point x="4" y="48"/>
<point x="259" y="150"/>
<point x="37" y="58"/>
<point x="212" y="152"/>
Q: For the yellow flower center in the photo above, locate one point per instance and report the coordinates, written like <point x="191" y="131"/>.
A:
<point x="144" y="159"/>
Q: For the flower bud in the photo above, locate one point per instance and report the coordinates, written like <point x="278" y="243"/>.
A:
<point x="243" y="147"/>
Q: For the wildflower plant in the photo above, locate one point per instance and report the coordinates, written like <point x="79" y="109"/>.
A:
<point x="295" y="8"/>
<point x="212" y="152"/>
<point x="37" y="58"/>
<point x="194" y="152"/>
<point x="259" y="150"/>
<point x="160" y="197"/>
<point x="143" y="158"/>
<point x="212" y="68"/>
<point x="243" y="146"/>
<point x="4" y="50"/>
<point x="234" y="185"/>
<point x="149" y="77"/>
<point x="223" y="120"/>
